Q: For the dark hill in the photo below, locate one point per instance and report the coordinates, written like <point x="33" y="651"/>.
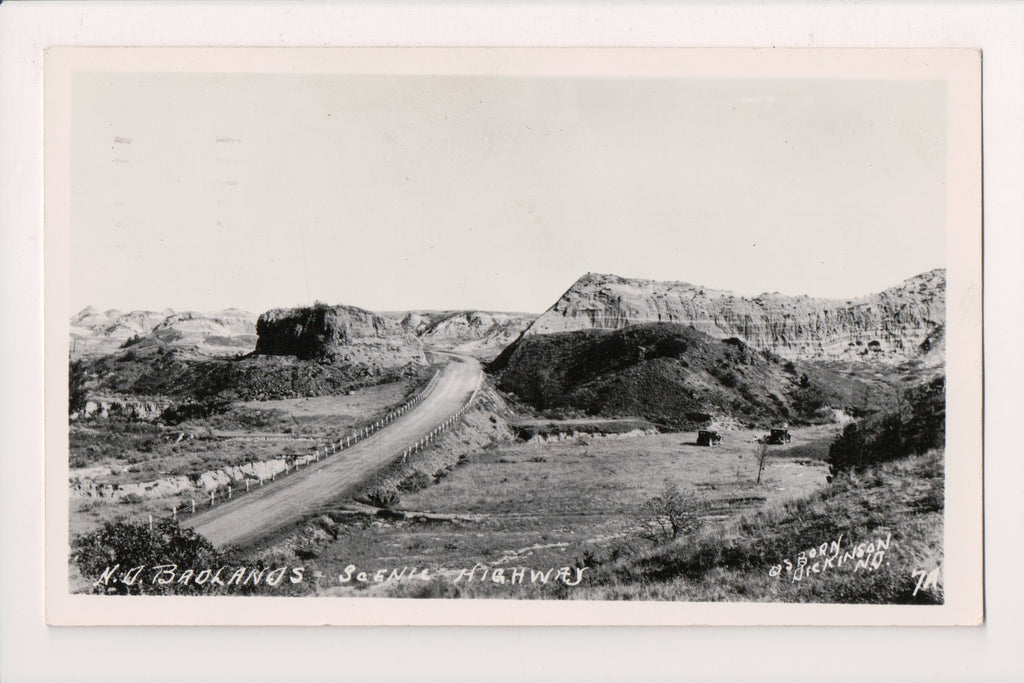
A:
<point x="150" y="368"/>
<point x="672" y="375"/>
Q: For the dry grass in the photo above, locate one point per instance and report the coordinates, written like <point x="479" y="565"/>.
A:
<point x="900" y="503"/>
<point x="545" y="506"/>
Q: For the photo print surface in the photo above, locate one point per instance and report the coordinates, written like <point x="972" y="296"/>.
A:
<point x="556" y="328"/>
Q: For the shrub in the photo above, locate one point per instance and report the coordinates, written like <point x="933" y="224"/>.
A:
<point x="383" y="497"/>
<point x="415" y="481"/>
<point x="133" y="545"/>
<point x="808" y="399"/>
<point x="668" y="515"/>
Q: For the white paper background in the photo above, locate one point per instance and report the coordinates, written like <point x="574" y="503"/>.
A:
<point x="33" y="652"/>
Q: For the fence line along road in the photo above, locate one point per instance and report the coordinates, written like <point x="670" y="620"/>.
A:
<point x="254" y="480"/>
<point x="238" y="517"/>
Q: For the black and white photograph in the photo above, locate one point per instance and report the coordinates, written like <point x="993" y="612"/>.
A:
<point x="515" y="329"/>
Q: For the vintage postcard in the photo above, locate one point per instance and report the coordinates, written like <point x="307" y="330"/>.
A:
<point x="513" y="336"/>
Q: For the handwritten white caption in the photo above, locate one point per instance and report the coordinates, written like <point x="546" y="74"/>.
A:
<point x="926" y="580"/>
<point x="830" y="556"/>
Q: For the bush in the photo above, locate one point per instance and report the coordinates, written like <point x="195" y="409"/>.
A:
<point x="383" y="497"/>
<point x="133" y="545"/>
<point x="808" y="399"/>
<point x="670" y="514"/>
<point x="415" y="481"/>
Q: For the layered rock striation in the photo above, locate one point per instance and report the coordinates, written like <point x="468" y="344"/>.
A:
<point x="228" y="328"/>
<point x="467" y="330"/>
<point x="903" y="322"/>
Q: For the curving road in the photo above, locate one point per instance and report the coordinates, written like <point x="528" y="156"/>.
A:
<point x="256" y="515"/>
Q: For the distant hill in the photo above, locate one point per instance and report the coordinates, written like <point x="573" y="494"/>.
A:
<point x="901" y="323"/>
<point x="673" y="375"/>
<point x="233" y="331"/>
<point x="95" y="332"/>
<point x="479" y="332"/>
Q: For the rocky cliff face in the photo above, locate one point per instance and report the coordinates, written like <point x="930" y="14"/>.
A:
<point x="339" y="334"/>
<point x="905" y="321"/>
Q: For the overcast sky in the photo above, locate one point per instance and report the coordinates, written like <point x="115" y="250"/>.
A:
<point x="203" y="191"/>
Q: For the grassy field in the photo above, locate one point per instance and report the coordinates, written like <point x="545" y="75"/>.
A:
<point x="548" y="505"/>
<point x="867" y="537"/>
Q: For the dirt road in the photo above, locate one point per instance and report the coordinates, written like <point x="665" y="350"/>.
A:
<point x="249" y="518"/>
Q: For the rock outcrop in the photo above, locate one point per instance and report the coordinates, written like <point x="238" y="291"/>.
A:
<point x="903" y="322"/>
<point x="89" y="482"/>
<point x="136" y="408"/>
<point x="338" y="334"/>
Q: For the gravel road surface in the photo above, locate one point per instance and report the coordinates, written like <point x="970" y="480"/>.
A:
<point x="253" y="516"/>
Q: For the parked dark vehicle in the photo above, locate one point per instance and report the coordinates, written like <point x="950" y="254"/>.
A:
<point x="707" y="437"/>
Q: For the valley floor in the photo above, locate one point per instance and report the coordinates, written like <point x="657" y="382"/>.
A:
<point x="564" y="515"/>
<point x="547" y="506"/>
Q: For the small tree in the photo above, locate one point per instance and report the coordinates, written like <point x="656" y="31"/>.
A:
<point x="76" y="386"/>
<point x="849" y="451"/>
<point x="670" y="514"/>
<point x="762" y="455"/>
